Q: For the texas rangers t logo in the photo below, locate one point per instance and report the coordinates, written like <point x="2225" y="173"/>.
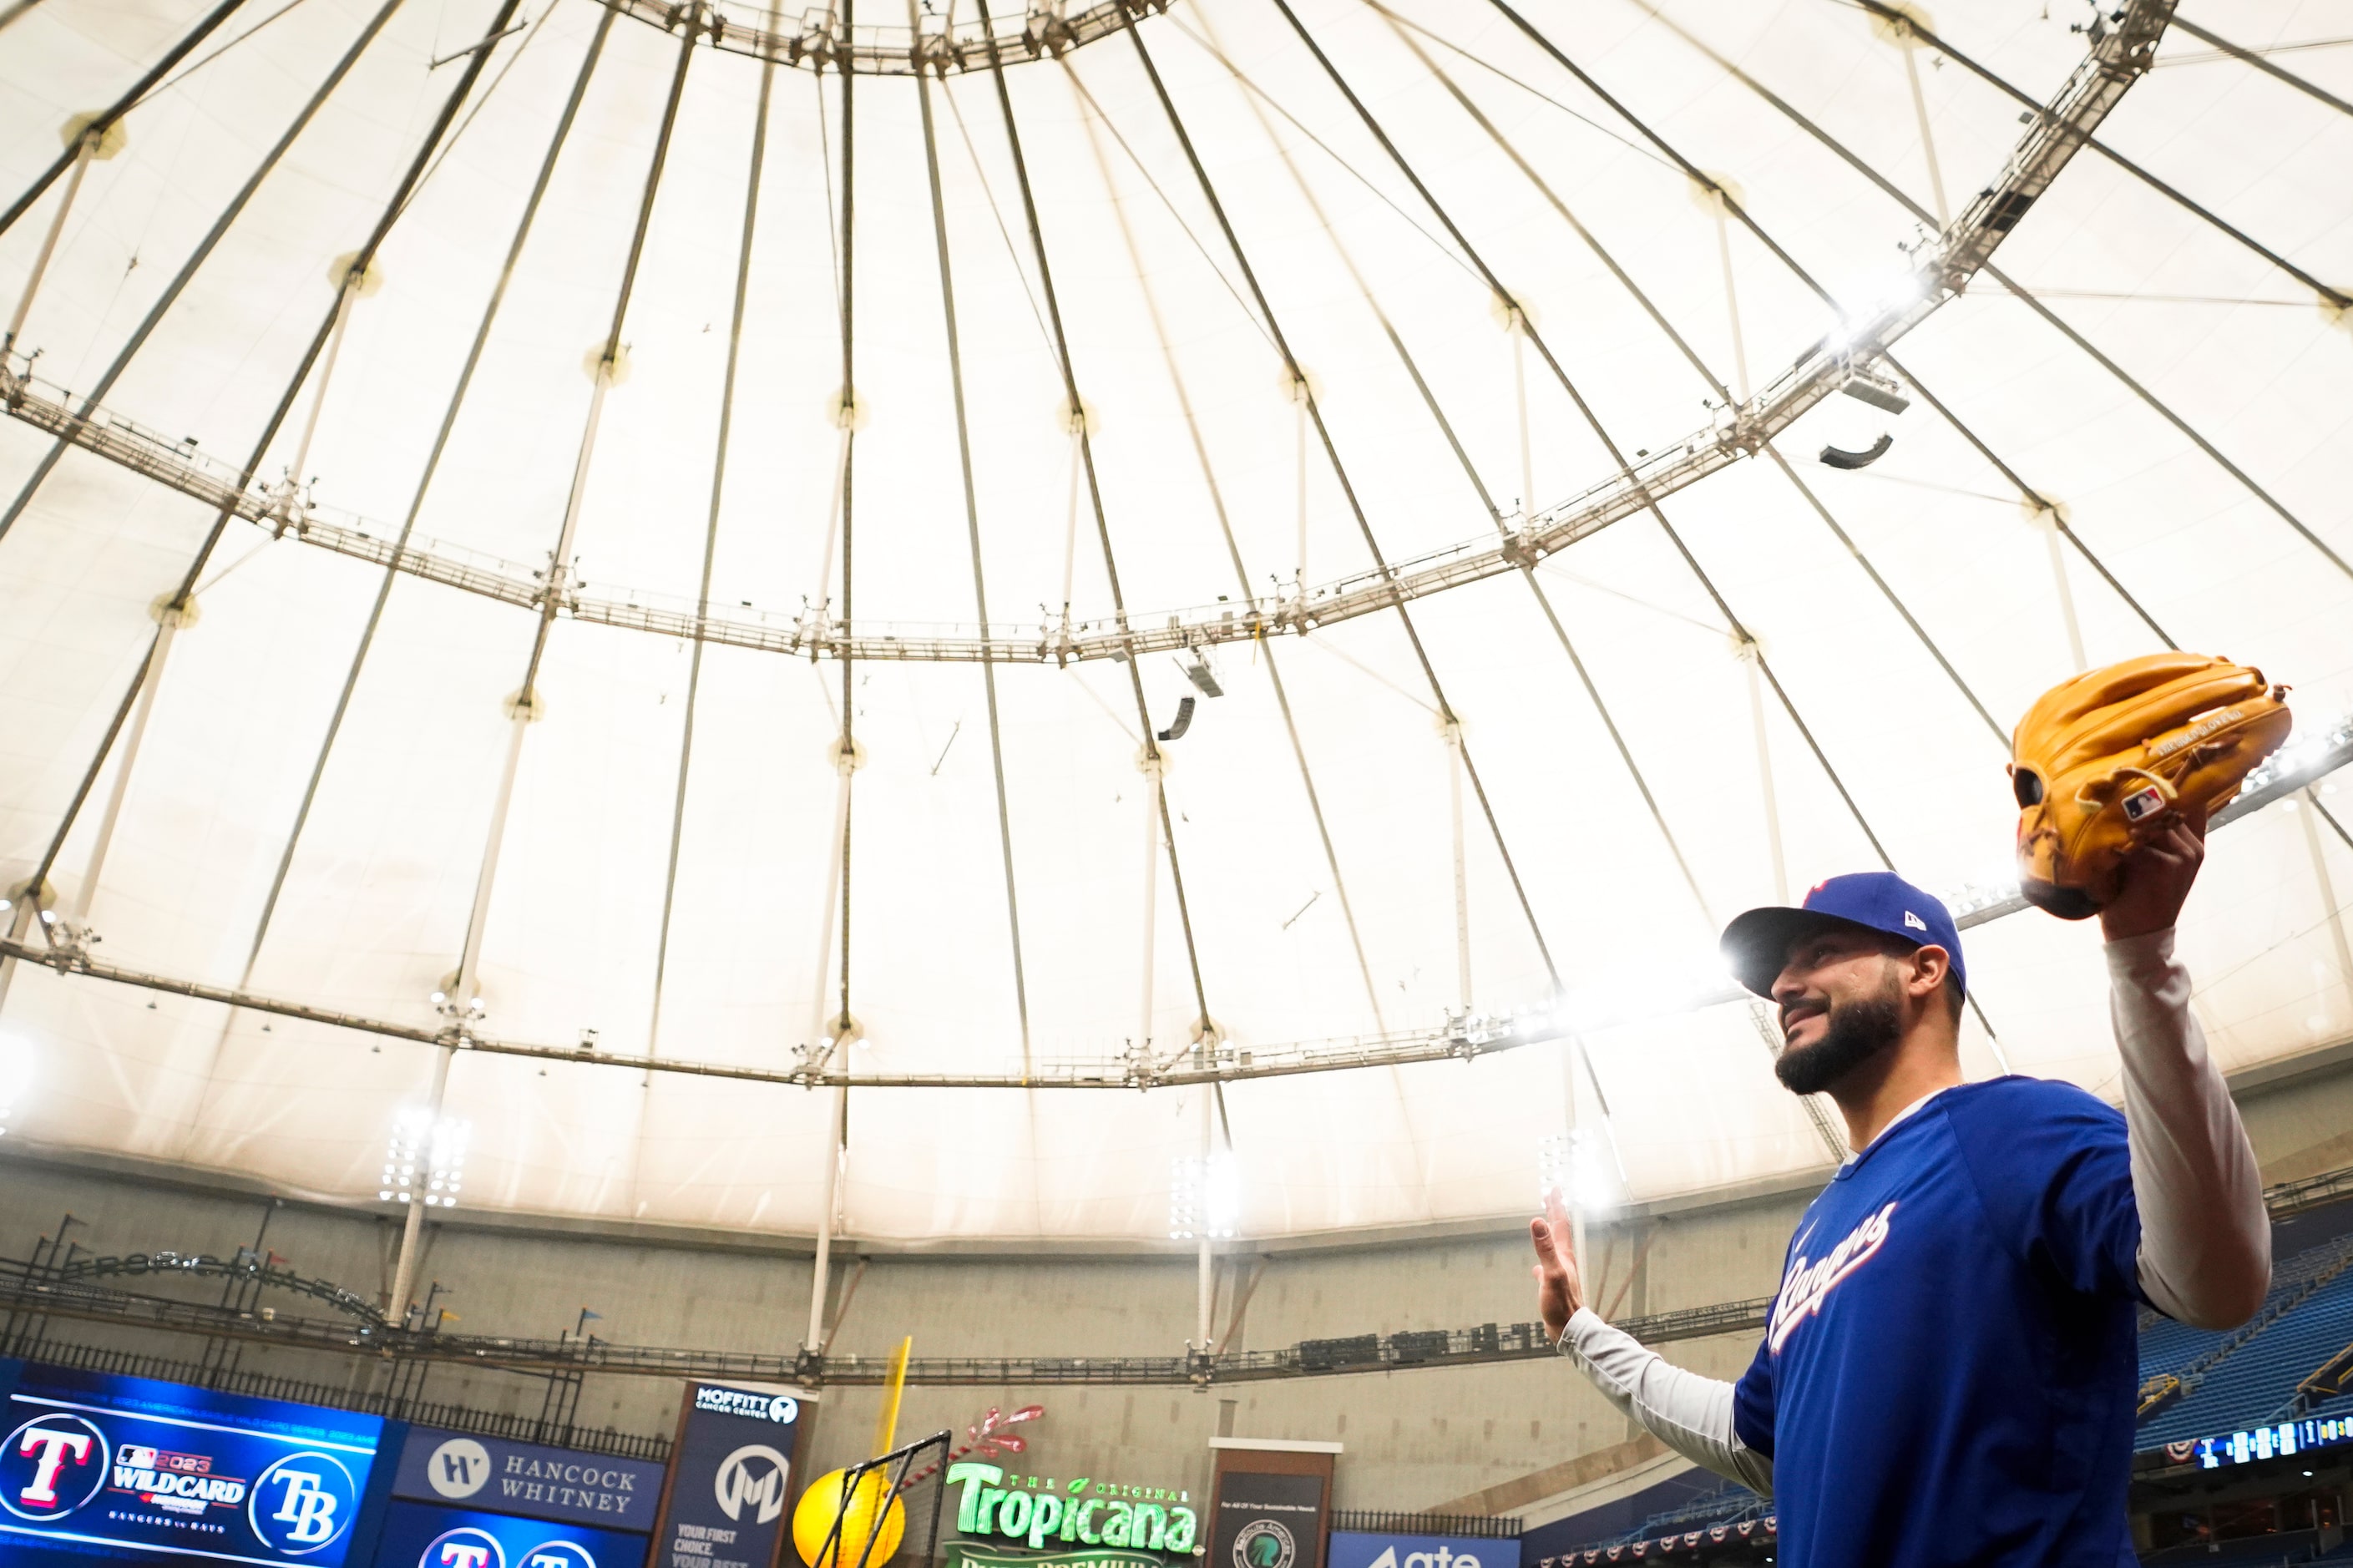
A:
<point x="1808" y="1284"/>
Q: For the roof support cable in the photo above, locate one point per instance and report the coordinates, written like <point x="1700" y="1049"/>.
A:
<point x="1722" y="205"/>
<point x="108" y="117"/>
<point x="175" y="605"/>
<point x="1095" y="124"/>
<point x="1076" y="408"/>
<point x="523" y="708"/>
<point x="711" y="536"/>
<point x="1732" y="205"/>
<point x="1347" y="489"/>
<point x="972" y="524"/>
<point x="1763" y="666"/>
<point x="608" y="370"/>
<point x="2027" y="492"/>
<point x="1457" y="755"/>
<point x="838" y="1036"/>
<point x="196" y="258"/>
<point x="86" y="150"/>
<point x="2309" y="88"/>
<point x="1642" y="298"/>
<point x="1740" y="631"/>
<point x="2042" y="504"/>
<point x="2107" y="150"/>
<point x="2329" y="817"/>
<point x="1486" y="499"/>
<point x="1890" y="15"/>
<point x="462" y="1005"/>
<point x="1897" y="194"/>
<point x="416" y="500"/>
<point x="846" y="753"/>
<point x="174" y="612"/>
<point x="2164" y="412"/>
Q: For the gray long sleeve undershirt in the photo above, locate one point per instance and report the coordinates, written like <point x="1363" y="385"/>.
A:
<point x="2205" y="1250"/>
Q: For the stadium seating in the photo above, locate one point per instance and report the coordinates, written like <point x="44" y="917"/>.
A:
<point x="2290" y="1547"/>
<point x="1728" y="1502"/>
<point x="2247" y="1376"/>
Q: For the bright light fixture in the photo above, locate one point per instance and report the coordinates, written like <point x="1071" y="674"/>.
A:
<point x="1552" y="1165"/>
<point x="1204" y="1197"/>
<point x="15" y="1075"/>
<point x="438" y="1146"/>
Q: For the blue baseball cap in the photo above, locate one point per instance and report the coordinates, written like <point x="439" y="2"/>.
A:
<point x="1757" y="944"/>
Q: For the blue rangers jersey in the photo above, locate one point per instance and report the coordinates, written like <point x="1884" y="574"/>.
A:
<point x="1949" y="1374"/>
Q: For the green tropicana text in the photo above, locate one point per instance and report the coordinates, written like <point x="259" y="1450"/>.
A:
<point x="989" y="1508"/>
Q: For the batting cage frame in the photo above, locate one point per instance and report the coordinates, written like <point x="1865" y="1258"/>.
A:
<point x="896" y="1472"/>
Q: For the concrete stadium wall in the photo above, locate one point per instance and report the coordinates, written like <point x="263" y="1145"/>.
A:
<point x="1414" y="1439"/>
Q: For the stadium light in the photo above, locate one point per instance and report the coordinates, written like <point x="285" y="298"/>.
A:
<point x="15" y="1075"/>
<point x="424" y="1160"/>
<point x="1552" y="1166"/>
<point x="1205" y="1197"/>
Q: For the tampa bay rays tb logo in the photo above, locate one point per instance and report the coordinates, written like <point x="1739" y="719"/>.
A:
<point x="303" y="1502"/>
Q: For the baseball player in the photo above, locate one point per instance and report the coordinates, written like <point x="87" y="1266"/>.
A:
<point x="1948" y="1373"/>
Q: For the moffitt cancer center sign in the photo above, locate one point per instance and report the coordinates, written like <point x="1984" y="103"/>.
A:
<point x="1026" y="1521"/>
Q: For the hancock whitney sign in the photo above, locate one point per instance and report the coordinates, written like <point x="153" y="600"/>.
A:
<point x="528" y="1479"/>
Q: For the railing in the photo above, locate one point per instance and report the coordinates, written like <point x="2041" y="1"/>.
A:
<point x="1476" y="1526"/>
<point x="816" y="41"/>
<point x="388" y="1404"/>
<point x="30" y="1295"/>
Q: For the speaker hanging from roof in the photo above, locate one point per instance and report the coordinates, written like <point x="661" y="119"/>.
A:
<point x="1840" y="457"/>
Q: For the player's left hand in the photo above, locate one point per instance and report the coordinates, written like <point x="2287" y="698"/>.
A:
<point x="2157" y="873"/>
<point x="1560" y="1288"/>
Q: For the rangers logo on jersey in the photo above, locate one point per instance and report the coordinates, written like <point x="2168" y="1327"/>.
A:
<point x="1808" y="1284"/>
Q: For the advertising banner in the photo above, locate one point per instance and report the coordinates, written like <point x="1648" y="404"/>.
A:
<point x="730" y="1477"/>
<point x="1005" y="1521"/>
<point x="126" y="1468"/>
<point x="1351" y="1549"/>
<point x="424" y="1535"/>
<point x="528" y="1479"/>
<point x="1267" y="1520"/>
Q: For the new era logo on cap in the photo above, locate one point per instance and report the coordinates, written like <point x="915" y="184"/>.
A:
<point x="1914" y="922"/>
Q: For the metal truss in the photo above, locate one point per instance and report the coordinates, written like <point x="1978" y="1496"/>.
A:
<point x="817" y="41"/>
<point x="1737" y="434"/>
<point x="81" y="1294"/>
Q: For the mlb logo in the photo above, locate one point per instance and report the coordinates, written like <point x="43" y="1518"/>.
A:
<point x="2144" y="802"/>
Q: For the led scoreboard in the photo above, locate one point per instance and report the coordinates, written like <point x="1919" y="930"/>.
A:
<point x="95" y="1468"/>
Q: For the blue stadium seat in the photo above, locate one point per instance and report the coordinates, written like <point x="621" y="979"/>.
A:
<point x="2307" y="1319"/>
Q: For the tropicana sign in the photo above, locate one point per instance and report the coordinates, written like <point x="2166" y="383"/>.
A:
<point x="1086" y="1513"/>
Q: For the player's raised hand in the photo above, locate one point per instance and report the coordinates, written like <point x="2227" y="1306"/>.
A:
<point x="1560" y="1290"/>
<point x="2157" y="873"/>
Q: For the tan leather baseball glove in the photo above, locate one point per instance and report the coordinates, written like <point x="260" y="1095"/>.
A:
<point x="2099" y="755"/>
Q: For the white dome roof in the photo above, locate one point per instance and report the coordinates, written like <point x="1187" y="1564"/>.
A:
<point x="701" y="922"/>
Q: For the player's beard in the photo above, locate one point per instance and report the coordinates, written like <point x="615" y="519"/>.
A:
<point x="1856" y="1031"/>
